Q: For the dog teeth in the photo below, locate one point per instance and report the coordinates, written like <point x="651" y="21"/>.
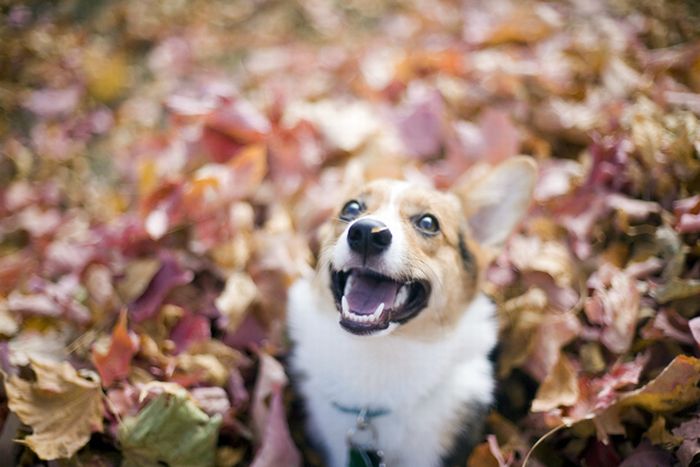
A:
<point x="375" y="316"/>
<point x="401" y="296"/>
<point x="360" y="318"/>
<point x="348" y="283"/>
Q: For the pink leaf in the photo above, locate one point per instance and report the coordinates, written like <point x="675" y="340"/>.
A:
<point x="271" y="377"/>
<point x="277" y="445"/>
<point x="53" y="102"/>
<point x="420" y="126"/>
<point x="694" y="325"/>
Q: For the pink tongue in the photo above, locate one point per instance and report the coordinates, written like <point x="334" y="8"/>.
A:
<point x="368" y="292"/>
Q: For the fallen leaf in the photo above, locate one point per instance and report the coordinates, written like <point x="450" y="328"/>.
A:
<point x="169" y="276"/>
<point x="677" y="289"/>
<point x="116" y="363"/>
<point x="136" y="277"/>
<point x="277" y="446"/>
<point x="551" y="257"/>
<point x="554" y="331"/>
<point x="614" y="305"/>
<point x="694" y="325"/>
<point x="106" y="73"/>
<point x="481" y="456"/>
<point x="43" y="346"/>
<point x="689" y="432"/>
<point x="212" y="400"/>
<point x="53" y="102"/>
<point x="420" y="124"/>
<point x="232" y="126"/>
<point x="646" y="455"/>
<point x="237" y="296"/>
<point x="8" y="324"/>
<point x="659" y="435"/>
<point x="674" y="389"/>
<point x="190" y="328"/>
<point x="169" y="429"/>
<point x="559" y="388"/>
<point x="63" y="407"/>
<point x="271" y="377"/>
<point x="200" y="368"/>
<point x="343" y="125"/>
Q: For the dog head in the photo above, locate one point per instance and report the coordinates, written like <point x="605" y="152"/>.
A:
<point x="403" y="258"/>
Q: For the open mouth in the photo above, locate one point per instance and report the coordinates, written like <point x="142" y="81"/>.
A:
<point x="368" y="301"/>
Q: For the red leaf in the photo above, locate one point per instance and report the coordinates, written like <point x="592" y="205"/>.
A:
<point x="230" y="128"/>
<point x="190" y="329"/>
<point x="116" y="363"/>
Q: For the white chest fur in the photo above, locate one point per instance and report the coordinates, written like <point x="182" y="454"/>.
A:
<point x="427" y="387"/>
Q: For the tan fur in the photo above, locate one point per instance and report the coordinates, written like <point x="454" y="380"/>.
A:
<point x="436" y="258"/>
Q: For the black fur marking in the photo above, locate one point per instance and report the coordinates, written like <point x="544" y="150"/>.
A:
<point x="471" y="433"/>
<point x="472" y="427"/>
<point x="468" y="260"/>
<point x="312" y="450"/>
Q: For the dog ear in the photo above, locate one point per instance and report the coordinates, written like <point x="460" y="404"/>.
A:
<point x="495" y="200"/>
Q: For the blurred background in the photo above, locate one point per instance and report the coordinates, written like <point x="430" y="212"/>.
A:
<point x="165" y="166"/>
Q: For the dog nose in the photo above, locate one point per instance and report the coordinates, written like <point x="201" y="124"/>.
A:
<point x="369" y="237"/>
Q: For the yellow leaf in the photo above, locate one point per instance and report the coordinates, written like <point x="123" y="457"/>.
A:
<point x="674" y="389"/>
<point x="106" y="74"/>
<point x="659" y="435"/>
<point x="62" y="407"/>
<point x="147" y="177"/>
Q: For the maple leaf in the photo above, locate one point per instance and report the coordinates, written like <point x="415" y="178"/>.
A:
<point x="63" y="407"/>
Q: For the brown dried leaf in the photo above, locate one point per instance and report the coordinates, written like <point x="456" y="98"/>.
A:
<point x="62" y="406"/>
<point x="559" y="388"/>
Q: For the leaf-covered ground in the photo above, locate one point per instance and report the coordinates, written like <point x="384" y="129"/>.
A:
<point x="164" y="167"/>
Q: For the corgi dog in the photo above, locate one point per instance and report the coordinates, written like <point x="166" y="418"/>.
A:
<point x="392" y="335"/>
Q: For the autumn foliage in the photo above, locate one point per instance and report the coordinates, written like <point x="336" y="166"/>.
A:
<point x="165" y="167"/>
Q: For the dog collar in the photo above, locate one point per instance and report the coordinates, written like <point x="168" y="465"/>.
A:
<point x="366" y="412"/>
<point x="362" y="438"/>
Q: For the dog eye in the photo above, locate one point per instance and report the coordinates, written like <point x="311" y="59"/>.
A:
<point x="427" y="224"/>
<point x="351" y="210"/>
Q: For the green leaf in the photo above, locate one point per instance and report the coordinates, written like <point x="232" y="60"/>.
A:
<point x="169" y="429"/>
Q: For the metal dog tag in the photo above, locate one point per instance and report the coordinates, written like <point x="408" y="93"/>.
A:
<point x="361" y="439"/>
